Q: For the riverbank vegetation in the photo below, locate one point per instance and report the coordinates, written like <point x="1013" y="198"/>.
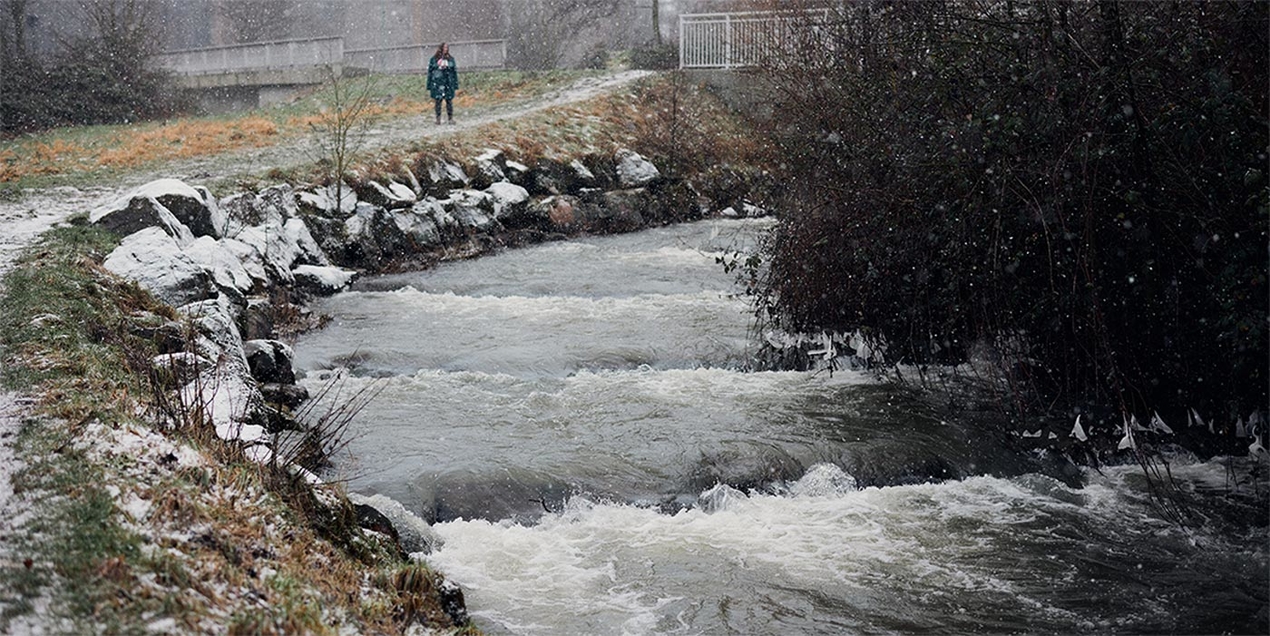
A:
<point x="139" y="522"/>
<point x="1074" y="193"/>
<point x="142" y="518"/>
<point x="96" y="153"/>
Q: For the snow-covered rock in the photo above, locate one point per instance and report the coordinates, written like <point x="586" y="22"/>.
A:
<point x="473" y="209"/>
<point x="322" y="280"/>
<point x="194" y="207"/>
<point x="156" y="262"/>
<point x="225" y="392"/>
<point x="272" y="206"/>
<point x="323" y="200"/>
<point x="131" y="214"/>
<point x="518" y="173"/>
<point x="584" y="173"/>
<point x="633" y="170"/>
<point x="444" y="176"/>
<point x="387" y="197"/>
<point x="412" y="181"/>
<point x="304" y="247"/>
<point x="419" y="224"/>
<point x="488" y="167"/>
<point x="510" y="200"/>
<point x="224" y="264"/>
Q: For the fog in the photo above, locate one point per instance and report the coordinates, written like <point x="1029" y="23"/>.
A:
<point x="551" y="32"/>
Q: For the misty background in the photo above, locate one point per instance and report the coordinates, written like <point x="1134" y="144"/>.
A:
<point x="539" y="33"/>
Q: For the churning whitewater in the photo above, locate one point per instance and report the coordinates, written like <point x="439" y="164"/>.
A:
<point x="576" y="421"/>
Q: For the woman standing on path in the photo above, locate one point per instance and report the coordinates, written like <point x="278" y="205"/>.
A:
<point x="443" y="80"/>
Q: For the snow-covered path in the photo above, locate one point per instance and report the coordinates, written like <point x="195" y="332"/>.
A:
<point x="23" y="220"/>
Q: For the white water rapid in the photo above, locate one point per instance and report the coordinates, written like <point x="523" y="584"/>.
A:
<point x="574" y="420"/>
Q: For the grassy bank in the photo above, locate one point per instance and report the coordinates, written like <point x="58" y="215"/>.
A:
<point x="136" y="524"/>
<point x="95" y="154"/>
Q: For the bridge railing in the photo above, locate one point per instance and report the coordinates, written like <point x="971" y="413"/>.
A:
<point x="473" y="55"/>
<point x="734" y="40"/>
<point x="310" y="52"/>
<point x="320" y="52"/>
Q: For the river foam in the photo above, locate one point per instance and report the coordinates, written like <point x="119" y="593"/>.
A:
<point x="1020" y="554"/>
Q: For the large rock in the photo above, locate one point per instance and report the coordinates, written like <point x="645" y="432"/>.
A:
<point x="414" y="534"/>
<point x="156" y="262"/>
<point x="393" y="196"/>
<point x="324" y="201"/>
<point x="487" y="168"/>
<point x="288" y="395"/>
<point x="552" y="177"/>
<point x="225" y="394"/>
<point x="633" y="170"/>
<point x="131" y="214"/>
<point x="374" y="240"/>
<point x="473" y="209"/>
<point x="511" y="204"/>
<point x="224" y="265"/>
<point x="270" y="361"/>
<point x="443" y="176"/>
<point x="619" y="210"/>
<point x="273" y="206"/>
<point x="419" y="225"/>
<point x="561" y="213"/>
<point x="519" y="174"/>
<point x="192" y="206"/>
<point x="303" y="247"/>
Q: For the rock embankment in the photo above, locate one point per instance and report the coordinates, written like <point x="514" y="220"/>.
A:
<point x="239" y="268"/>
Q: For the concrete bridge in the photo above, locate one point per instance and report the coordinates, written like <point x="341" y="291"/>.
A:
<point x="262" y="73"/>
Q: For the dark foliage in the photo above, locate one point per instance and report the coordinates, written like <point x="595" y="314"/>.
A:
<point x="1076" y="189"/>
<point x="655" y="57"/>
<point x="101" y="76"/>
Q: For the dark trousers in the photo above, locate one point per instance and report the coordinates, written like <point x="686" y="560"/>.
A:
<point x="449" y="108"/>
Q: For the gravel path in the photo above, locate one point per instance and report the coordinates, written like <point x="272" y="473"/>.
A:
<point x="23" y="220"/>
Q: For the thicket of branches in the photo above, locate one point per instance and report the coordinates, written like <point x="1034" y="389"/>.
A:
<point x="99" y="76"/>
<point x="1078" y="189"/>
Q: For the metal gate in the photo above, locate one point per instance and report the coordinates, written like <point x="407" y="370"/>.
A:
<point x="732" y="40"/>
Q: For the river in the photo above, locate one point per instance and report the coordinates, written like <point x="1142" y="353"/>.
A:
<point x="575" y="420"/>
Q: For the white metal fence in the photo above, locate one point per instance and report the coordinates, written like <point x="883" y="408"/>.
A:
<point x="732" y="40"/>
<point x="312" y="52"/>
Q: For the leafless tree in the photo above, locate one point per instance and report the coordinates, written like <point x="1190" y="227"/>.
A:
<point x="12" y="30"/>
<point x="340" y="133"/>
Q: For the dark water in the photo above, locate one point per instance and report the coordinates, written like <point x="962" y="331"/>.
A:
<point x="573" y="419"/>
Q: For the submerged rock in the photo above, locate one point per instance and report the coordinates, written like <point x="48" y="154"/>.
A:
<point x="413" y="534"/>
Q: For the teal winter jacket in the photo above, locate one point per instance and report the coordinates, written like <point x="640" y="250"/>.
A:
<point x="443" y="77"/>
